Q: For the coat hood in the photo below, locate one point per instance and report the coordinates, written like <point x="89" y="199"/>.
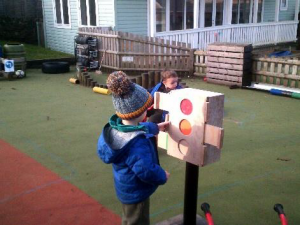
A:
<point x="112" y="143"/>
<point x="115" y="138"/>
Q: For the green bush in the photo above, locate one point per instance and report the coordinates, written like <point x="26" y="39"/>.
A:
<point x="21" y="30"/>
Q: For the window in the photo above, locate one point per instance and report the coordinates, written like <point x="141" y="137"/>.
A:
<point x="260" y="11"/>
<point x="213" y="11"/>
<point x="189" y="14"/>
<point x="174" y="15"/>
<point x="208" y="22"/>
<point x="88" y="12"/>
<point x="219" y="12"/>
<point x="160" y="15"/>
<point x="61" y="13"/>
<point x="243" y="11"/>
<point x="283" y="4"/>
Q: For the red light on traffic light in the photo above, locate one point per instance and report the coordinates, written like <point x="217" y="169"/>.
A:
<point x="186" y="106"/>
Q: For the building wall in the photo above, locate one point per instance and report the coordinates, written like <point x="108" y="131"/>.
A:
<point x="284" y="15"/>
<point x="123" y="15"/>
<point x="288" y="14"/>
<point x="106" y="13"/>
<point x="62" y="39"/>
<point x="269" y="10"/>
<point x="131" y="16"/>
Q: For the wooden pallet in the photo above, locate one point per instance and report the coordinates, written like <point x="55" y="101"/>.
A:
<point x="229" y="64"/>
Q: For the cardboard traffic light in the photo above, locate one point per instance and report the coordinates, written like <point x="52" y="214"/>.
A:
<point x="195" y="134"/>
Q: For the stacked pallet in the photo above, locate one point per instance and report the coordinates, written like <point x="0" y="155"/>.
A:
<point x="229" y="64"/>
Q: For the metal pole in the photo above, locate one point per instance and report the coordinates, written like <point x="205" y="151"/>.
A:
<point x="190" y="194"/>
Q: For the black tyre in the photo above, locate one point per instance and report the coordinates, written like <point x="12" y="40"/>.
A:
<point x="82" y="40"/>
<point x="55" y="67"/>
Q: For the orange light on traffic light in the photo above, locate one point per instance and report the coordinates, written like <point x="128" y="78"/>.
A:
<point x="185" y="127"/>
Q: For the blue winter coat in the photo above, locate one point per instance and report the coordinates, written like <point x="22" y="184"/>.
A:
<point x="134" y="160"/>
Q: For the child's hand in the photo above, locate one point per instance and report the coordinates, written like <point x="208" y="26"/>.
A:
<point x="167" y="174"/>
<point x="163" y="126"/>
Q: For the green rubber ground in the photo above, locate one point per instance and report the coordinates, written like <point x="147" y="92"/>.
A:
<point x="58" y="124"/>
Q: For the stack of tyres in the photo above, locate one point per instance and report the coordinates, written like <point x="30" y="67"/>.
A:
<point x="17" y="53"/>
<point x="86" y="51"/>
<point x="83" y="40"/>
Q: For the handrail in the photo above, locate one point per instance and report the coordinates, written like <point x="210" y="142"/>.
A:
<point x="256" y="34"/>
<point x="224" y="27"/>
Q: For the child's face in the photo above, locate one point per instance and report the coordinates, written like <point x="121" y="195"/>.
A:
<point x="171" y="83"/>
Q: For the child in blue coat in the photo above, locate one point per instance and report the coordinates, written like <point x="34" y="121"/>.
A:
<point x="169" y="82"/>
<point x="129" y="146"/>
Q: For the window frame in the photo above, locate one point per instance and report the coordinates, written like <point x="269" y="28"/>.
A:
<point x="62" y="25"/>
<point x="227" y="18"/>
<point x="168" y="25"/>
<point x="251" y="13"/>
<point x="201" y="17"/>
<point x="284" y="8"/>
<point x="87" y="14"/>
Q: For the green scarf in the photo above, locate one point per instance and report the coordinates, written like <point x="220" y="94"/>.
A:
<point x="116" y="123"/>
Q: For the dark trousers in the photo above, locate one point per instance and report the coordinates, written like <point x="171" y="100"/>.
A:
<point x="136" y="214"/>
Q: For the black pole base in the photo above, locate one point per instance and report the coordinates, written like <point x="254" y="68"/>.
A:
<point x="190" y="194"/>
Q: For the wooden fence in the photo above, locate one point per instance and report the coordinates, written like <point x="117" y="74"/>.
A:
<point x="200" y="63"/>
<point x="279" y="71"/>
<point x="134" y="53"/>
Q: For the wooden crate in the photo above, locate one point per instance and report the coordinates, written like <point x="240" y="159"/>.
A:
<point x="229" y="64"/>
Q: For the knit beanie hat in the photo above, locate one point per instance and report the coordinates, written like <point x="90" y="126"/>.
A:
<point x="129" y="99"/>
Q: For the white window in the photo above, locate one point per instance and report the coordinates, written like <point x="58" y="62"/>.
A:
<point x="174" y="15"/>
<point x="61" y="13"/>
<point x="161" y="18"/>
<point x="88" y="12"/>
<point x="243" y="11"/>
<point x="284" y="4"/>
<point x="213" y="13"/>
<point x="179" y="14"/>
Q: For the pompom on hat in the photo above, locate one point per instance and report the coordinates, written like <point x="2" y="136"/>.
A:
<point x="129" y="99"/>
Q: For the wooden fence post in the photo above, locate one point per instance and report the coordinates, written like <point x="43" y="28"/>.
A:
<point x="191" y="62"/>
<point x="157" y="77"/>
<point x="139" y="80"/>
<point x="145" y="80"/>
<point x="151" y="79"/>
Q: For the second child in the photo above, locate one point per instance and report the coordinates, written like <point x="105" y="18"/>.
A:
<point x="169" y="82"/>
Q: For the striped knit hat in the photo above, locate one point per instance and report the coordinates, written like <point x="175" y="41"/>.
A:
<point x="129" y="99"/>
